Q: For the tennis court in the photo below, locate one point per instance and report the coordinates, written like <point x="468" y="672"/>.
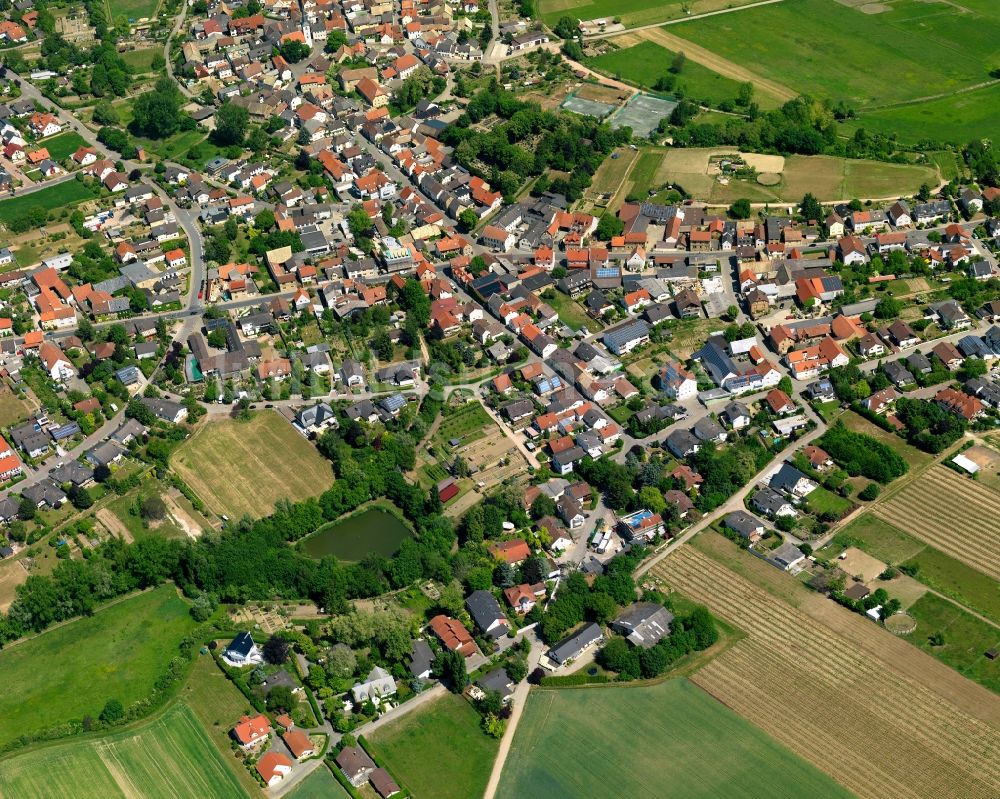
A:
<point x="587" y="108"/>
<point x="643" y="113"/>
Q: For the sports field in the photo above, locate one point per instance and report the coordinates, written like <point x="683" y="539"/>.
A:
<point x="243" y="468"/>
<point x="830" y="49"/>
<point x="439" y="750"/>
<point x="71" y="671"/>
<point x="167" y="758"/>
<point x="650" y="742"/>
<point x="839" y="691"/>
<point x="827" y="177"/>
<point x="131" y="9"/>
<point x="54" y="197"/>
<point x="631" y="12"/>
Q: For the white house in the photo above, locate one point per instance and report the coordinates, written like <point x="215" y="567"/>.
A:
<point x="242" y="651"/>
<point x="677" y="382"/>
<point x="378" y="685"/>
<point x="58" y="365"/>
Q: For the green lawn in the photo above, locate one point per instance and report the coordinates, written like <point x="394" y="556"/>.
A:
<point x="71" y="671"/>
<point x="571" y="312"/>
<point x="141" y="60"/>
<point x="644" y="63"/>
<point x="878" y="538"/>
<point x="822" y="501"/>
<point x="828" y="50"/>
<point x="321" y="784"/>
<point x="131" y="9"/>
<point x="966" y="638"/>
<point x="168" y="757"/>
<point x="65" y="194"/>
<point x="64" y="145"/>
<point x="669" y="739"/>
<point x="438" y="751"/>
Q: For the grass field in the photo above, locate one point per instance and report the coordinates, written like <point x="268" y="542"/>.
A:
<point x="825" y="49"/>
<point x="131" y="9"/>
<point x="571" y="312"/>
<point x="12" y="408"/>
<point x="440" y="739"/>
<point x="244" y="468"/>
<point x="71" y="671"/>
<point x="141" y="60"/>
<point x="966" y="638"/>
<point x="644" y="63"/>
<point x="828" y="177"/>
<point x="834" y="688"/>
<point x="168" y="757"/>
<point x="321" y="784"/>
<point x="54" y="197"/>
<point x="680" y="727"/>
<point x="631" y="12"/>
<point x="823" y="501"/>
<point x="64" y="145"/>
<point x="217" y="703"/>
<point x="12" y="574"/>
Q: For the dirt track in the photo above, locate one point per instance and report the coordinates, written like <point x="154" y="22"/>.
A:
<point x="114" y="525"/>
<point x="707" y="59"/>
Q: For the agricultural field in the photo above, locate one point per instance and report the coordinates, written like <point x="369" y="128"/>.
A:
<point x="168" y="757"/>
<point x="51" y="198"/>
<point x="645" y="61"/>
<point x="467" y="423"/>
<point x="442" y="738"/>
<point x="963" y="583"/>
<point x="951" y="513"/>
<point x="965" y="639"/>
<point x="681" y="729"/>
<point x="118" y="653"/>
<point x="836" y="689"/>
<point x="243" y="468"/>
<point x="931" y="49"/>
<point x="631" y="12"/>
<point x="63" y="145"/>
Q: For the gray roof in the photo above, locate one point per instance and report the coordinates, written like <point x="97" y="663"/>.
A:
<point x="623" y="334"/>
<point x="499" y="681"/>
<point x="743" y="523"/>
<point x="786" y="477"/>
<point x="769" y="500"/>
<point x="571" y="646"/>
<point x="644" y="623"/>
<point x="486" y="612"/>
<point x="421" y="657"/>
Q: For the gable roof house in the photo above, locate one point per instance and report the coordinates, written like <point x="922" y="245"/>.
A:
<point x="242" y="651"/>
<point x="644" y="624"/>
<point x="487" y="614"/>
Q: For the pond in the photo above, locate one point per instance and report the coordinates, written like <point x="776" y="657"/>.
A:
<point x="350" y="539"/>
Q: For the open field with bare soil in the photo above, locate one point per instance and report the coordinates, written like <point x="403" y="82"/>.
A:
<point x="951" y="513"/>
<point x="825" y="692"/>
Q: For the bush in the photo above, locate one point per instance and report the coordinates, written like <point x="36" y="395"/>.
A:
<point x="869" y="492"/>
<point x="862" y="454"/>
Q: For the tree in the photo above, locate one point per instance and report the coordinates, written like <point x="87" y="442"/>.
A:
<point x="106" y="114"/>
<point x="341" y="662"/>
<point x="293" y="51"/>
<point x="609" y="227"/>
<point x="281" y="698"/>
<point x="230" y="124"/>
<point x="678" y="63"/>
<point x="740" y="209"/>
<point x="26" y="509"/>
<point x="467" y="220"/>
<point x="869" y="492"/>
<point x="810" y="208"/>
<point x="204" y="606"/>
<point x="153" y="507"/>
<point x="888" y="308"/>
<point x="543" y="505"/>
<point x="276" y="650"/>
<point x="113" y="712"/>
<point x="449" y="666"/>
<point x="745" y="95"/>
<point x="80" y="497"/>
<point x="157" y="114"/>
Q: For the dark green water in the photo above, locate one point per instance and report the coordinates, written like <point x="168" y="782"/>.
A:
<point x="374" y="530"/>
